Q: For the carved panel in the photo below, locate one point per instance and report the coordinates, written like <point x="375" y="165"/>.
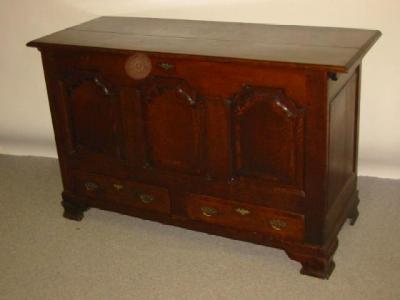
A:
<point x="268" y="130"/>
<point x="91" y="110"/>
<point x="173" y="117"/>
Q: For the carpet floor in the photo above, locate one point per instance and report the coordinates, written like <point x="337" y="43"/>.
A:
<point x="112" y="256"/>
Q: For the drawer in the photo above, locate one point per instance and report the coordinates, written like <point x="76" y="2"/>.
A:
<point x="276" y="223"/>
<point x="138" y="195"/>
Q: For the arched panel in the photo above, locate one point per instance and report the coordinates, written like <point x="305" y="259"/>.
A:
<point x="92" y="113"/>
<point x="174" y="130"/>
<point x="267" y="135"/>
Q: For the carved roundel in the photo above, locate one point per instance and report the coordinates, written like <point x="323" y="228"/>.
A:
<point x="138" y="66"/>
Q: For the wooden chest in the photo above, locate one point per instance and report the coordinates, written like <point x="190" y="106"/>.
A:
<point x="247" y="131"/>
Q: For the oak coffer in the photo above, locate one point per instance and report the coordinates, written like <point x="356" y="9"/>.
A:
<point x="247" y="131"/>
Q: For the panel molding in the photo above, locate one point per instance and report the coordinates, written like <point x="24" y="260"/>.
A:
<point x="73" y="78"/>
<point x="69" y="83"/>
<point x="283" y="122"/>
<point x="157" y="86"/>
<point x="153" y="92"/>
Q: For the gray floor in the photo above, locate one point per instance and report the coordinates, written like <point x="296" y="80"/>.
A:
<point x="111" y="256"/>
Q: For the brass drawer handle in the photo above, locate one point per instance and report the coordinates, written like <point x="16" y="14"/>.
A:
<point x="166" y="66"/>
<point x="242" y="211"/>
<point x="208" y="211"/>
<point x="91" y="186"/>
<point x="118" y="187"/>
<point x="146" y="198"/>
<point x="277" y="224"/>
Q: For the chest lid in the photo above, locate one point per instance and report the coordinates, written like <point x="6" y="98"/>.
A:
<point x="327" y="48"/>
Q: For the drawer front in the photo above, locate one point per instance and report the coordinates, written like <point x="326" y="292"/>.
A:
<point x="125" y="192"/>
<point x="279" y="224"/>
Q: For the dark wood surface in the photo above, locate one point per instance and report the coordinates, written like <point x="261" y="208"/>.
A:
<point x="265" y="153"/>
<point x="336" y="49"/>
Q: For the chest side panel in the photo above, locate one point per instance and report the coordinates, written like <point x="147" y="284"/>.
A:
<point x="343" y="143"/>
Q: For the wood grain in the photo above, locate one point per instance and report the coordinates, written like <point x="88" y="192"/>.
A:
<point x="316" y="47"/>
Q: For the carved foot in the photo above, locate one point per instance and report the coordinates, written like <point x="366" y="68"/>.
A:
<point x="73" y="211"/>
<point x="353" y="213"/>
<point x="318" y="267"/>
<point x="316" y="261"/>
